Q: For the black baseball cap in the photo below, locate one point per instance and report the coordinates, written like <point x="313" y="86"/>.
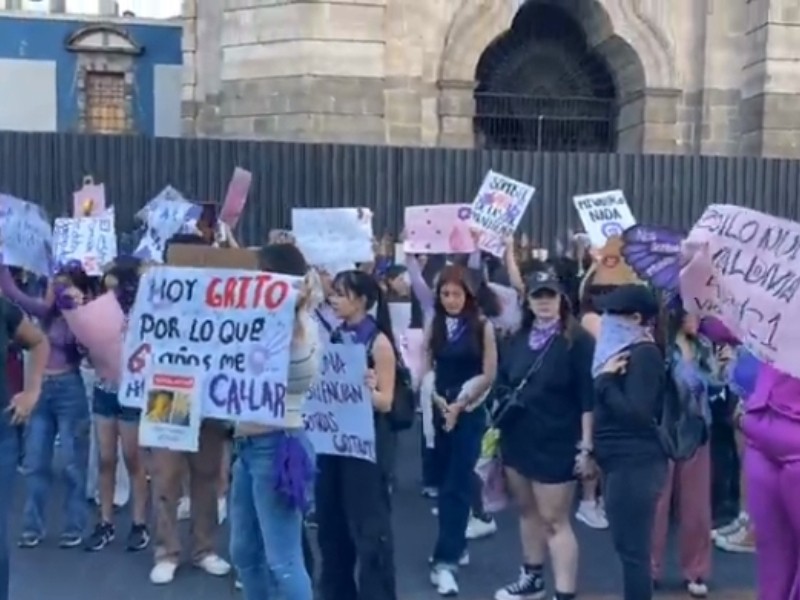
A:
<point x="629" y="299"/>
<point x="542" y="280"/>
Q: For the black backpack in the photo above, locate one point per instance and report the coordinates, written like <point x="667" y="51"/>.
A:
<point x="682" y="429"/>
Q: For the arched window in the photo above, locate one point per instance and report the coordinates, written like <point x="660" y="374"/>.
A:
<point x="541" y="87"/>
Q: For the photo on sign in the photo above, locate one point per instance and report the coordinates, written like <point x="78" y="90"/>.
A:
<point x="169" y="407"/>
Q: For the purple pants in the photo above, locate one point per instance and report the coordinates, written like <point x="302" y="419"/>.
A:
<point x="772" y="469"/>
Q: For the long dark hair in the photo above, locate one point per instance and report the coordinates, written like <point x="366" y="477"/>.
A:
<point x="456" y="275"/>
<point x="283" y="258"/>
<point x="123" y="278"/>
<point x="363" y="285"/>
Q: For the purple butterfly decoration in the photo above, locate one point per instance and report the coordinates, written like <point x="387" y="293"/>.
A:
<point x="654" y="254"/>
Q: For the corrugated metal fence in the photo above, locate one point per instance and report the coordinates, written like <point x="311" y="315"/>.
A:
<point x="669" y="190"/>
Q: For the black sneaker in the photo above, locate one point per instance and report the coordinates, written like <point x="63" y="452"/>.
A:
<point x="70" y="540"/>
<point x="529" y="586"/>
<point x="138" y="538"/>
<point x="101" y="537"/>
<point x="29" y="540"/>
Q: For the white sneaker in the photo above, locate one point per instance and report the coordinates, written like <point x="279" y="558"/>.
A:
<point x="163" y="572"/>
<point x="477" y="528"/>
<point x="238" y="585"/>
<point x="222" y="510"/>
<point x="730" y="528"/>
<point x="463" y="560"/>
<point x="445" y="582"/>
<point x="435" y="511"/>
<point x="184" y="508"/>
<point x="214" y="565"/>
<point x="590" y="514"/>
<point x="697" y="589"/>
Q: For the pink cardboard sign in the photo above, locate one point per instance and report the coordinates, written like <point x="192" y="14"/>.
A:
<point x="743" y="271"/>
<point x="98" y="325"/>
<point x="90" y="200"/>
<point x="439" y="229"/>
<point x="236" y="197"/>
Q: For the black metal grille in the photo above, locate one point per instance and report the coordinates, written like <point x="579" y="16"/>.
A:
<point x="511" y="121"/>
<point x="667" y="190"/>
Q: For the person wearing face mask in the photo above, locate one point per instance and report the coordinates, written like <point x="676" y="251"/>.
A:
<point x="546" y="438"/>
<point x="630" y="379"/>
<point x="461" y="351"/>
<point x="352" y="496"/>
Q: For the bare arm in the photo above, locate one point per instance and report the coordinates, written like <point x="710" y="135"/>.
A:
<point x="385" y="363"/>
<point x="489" y="371"/>
<point x="30" y="337"/>
<point x="514" y="274"/>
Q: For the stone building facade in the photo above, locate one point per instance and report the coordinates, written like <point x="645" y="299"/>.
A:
<point x="719" y="77"/>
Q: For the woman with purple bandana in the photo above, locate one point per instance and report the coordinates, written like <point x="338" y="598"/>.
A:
<point x="352" y="496"/>
<point x="62" y="409"/>
<point x="548" y="444"/>
<point x="274" y="466"/>
<point x="460" y="348"/>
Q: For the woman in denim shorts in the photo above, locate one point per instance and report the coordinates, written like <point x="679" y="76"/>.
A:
<point x="114" y="422"/>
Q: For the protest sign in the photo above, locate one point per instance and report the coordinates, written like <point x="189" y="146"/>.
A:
<point x="236" y="197"/>
<point x="90" y="200"/>
<point x="498" y="209"/>
<point x="164" y="216"/>
<point x="99" y="326"/>
<point x="90" y="240"/>
<point x="26" y="238"/>
<point x="744" y="272"/>
<point x="232" y="326"/>
<point x="438" y="229"/>
<point x="412" y="350"/>
<point x="338" y="414"/>
<point x="604" y="215"/>
<point x="400" y="315"/>
<point x="333" y="235"/>
<point x="171" y="417"/>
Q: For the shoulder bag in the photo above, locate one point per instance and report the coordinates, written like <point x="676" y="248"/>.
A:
<point x="508" y="403"/>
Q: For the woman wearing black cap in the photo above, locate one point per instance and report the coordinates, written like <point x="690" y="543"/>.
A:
<point x="630" y="376"/>
<point x="546" y="433"/>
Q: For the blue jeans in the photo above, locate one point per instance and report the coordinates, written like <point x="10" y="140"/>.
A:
<point x="457" y="452"/>
<point x="9" y="447"/>
<point x="63" y="409"/>
<point x="266" y="534"/>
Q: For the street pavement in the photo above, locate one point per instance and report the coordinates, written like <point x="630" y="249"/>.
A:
<point x="48" y="573"/>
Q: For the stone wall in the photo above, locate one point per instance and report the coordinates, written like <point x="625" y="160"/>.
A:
<point x="693" y="76"/>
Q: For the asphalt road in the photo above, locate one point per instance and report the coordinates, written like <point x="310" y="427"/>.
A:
<point x="48" y="573"/>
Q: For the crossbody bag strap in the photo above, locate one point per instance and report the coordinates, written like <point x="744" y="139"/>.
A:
<point x="537" y="364"/>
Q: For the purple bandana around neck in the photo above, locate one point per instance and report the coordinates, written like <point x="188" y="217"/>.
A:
<point x="455" y="327"/>
<point x="363" y="331"/>
<point x="542" y="332"/>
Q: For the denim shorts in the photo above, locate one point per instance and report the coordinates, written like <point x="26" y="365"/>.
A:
<point x="106" y="404"/>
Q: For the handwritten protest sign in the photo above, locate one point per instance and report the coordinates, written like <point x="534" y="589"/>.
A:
<point x="438" y="229"/>
<point x="333" y="235"/>
<point x="171" y="417"/>
<point x="90" y="240"/>
<point x="164" y="216"/>
<point x="236" y="197"/>
<point x="604" y="215"/>
<point x="232" y="326"/>
<point x="90" y="200"/>
<point x="99" y="326"/>
<point x="745" y="273"/>
<point x="498" y="209"/>
<point x="26" y="238"/>
<point x="338" y="413"/>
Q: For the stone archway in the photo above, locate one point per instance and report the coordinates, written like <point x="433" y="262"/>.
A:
<point x="629" y="35"/>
